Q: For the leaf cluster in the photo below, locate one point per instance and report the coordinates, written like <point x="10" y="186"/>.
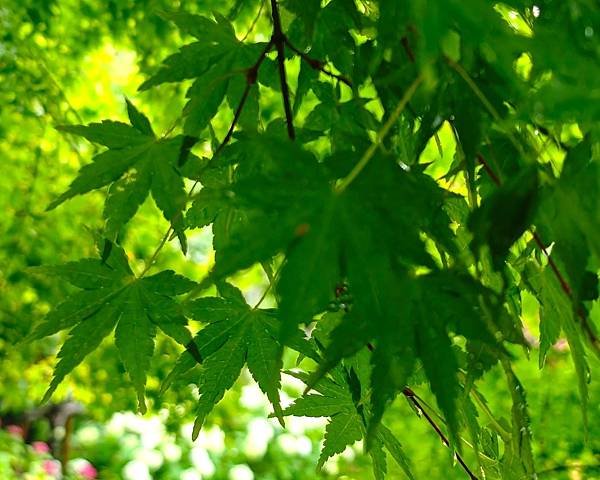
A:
<point x="336" y="191"/>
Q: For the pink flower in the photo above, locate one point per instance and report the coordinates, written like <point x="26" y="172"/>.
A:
<point x="40" y="447"/>
<point x="16" y="430"/>
<point x="88" y="472"/>
<point x="84" y="468"/>
<point x="52" y="467"/>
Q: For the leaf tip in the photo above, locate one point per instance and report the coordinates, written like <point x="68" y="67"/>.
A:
<point x="197" y="427"/>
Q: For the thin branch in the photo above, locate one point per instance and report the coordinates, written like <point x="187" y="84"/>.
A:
<point x="411" y="396"/>
<point x="251" y="76"/>
<point x="414" y="398"/>
<point x="254" y="22"/>
<point x="407" y="49"/>
<point x="564" y="284"/>
<point x="317" y="64"/>
<point x="475" y="89"/>
<point x="278" y="39"/>
<point x="370" y="152"/>
<point x="486" y="166"/>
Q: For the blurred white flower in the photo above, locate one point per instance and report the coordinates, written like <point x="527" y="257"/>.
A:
<point x="201" y="461"/>
<point x="88" y="435"/>
<point x="285" y="400"/>
<point x="241" y="472"/>
<point x="211" y="439"/>
<point x="260" y="432"/>
<point x="293" y="445"/>
<point x="252" y="397"/>
<point x="303" y="446"/>
<point x="190" y="474"/>
<point x="299" y="425"/>
<point x="125" y="421"/>
<point x="82" y="468"/>
<point x="152" y="433"/>
<point x="186" y="430"/>
<point x="136" y="470"/>
<point x="287" y="442"/>
<point x="129" y="441"/>
<point x="163" y="414"/>
<point x="152" y="458"/>
<point x="171" y="452"/>
<point x="116" y="425"/>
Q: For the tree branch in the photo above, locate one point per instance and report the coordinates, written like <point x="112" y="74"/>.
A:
<point x="411" y="397"/>
<point x="317" y="64"/>
<point x="251" y="75"/>
<point x="278" y="39"/>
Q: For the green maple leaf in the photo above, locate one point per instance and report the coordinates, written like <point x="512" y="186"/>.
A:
<point x="344" y="241"/>
<point x="265" y="195"/>
<point x="335" y="401"/>
<point x="135" y="163"/>
<point x="235" y="335"/>
<point x="519" y="455"/>
<point x="217" y="62"/>
<point x="336" y="397"/>
<point x="556" y="315"/>
<point x="112" y="298"/>
<point x="569" y="217"/>
<point x="505" y="215"/>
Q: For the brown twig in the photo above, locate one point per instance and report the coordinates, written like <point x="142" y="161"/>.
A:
<point x="411" y="397"/>
<point x="278" y="39"/>
<point x="251" y="74"/>
<point x="317" y="64"/>
<point x="407" y="48"/>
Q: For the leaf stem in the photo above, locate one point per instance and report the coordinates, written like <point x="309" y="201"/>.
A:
<point x="157" y="251"/>
<point x="370" y="152"/>
<point x="269" y="287"/>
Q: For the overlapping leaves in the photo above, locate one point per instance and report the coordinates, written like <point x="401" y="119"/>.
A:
<point x="234" y="335"/>
<point x="217" y="61"/>
<point x="342" y="396"/>
<point x="384" y="235"/>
